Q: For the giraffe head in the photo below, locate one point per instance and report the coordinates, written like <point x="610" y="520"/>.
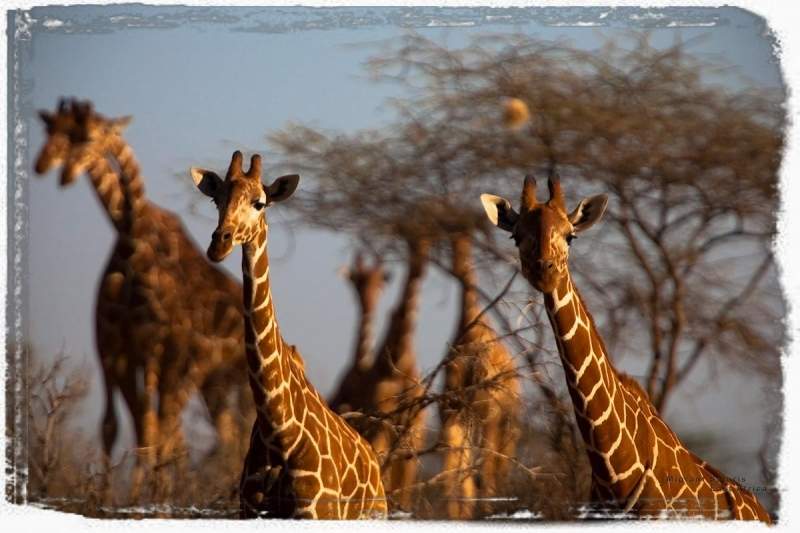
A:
<point x="75" y="135"/>
<point x="544" y="231"/>
<point x="241" y="200"/>
<point x="368" y="281"/>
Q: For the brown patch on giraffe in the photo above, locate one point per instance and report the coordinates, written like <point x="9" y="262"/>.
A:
<point x="609" y="430"/>
<point x="599" y="405"/>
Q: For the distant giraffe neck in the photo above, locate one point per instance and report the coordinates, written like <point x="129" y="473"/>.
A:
<point x="130" y="181"/>
<point x="106" y="183"/>
<point x="268" y="359"/>
<point x="362" y="357"/>
<point x="398" y="340"/>
<point x="594" y="385"/>
<point x="465" y="274"/>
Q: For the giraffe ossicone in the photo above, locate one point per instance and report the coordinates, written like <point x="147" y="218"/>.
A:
<point x="639" y="465"/>
<point x="304" y="460"/>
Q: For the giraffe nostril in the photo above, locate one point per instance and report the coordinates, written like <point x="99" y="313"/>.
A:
<point x="222" y="236"/>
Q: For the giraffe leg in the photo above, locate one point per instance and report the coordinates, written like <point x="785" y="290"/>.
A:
<point x="402" y="474"/>
<point x="110" y="351"/>
<point x="171" y="445"/>
<point x="144" y="422"/>
<point x="460" y="488"/>
<point x="244" y="409"/>
<point x="221" y="411"/>
<point x="490" y="442"/>
<point x="402" y="469"/>
<point x="505" y="440"/>
<point x="109" y="427"/>
<point x="109" y="424"/>
<point x="408" y="469"/>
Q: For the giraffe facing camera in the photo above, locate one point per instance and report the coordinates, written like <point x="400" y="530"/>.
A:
<point x="241" y="199"/>
<point x="639" y="465"/>
<point x="304" y="460"/>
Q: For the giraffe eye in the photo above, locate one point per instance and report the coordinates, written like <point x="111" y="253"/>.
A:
<point x="570" y="237"/>
<point x="258" y="204"/>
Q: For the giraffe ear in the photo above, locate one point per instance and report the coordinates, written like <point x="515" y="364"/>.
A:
<point x="499" y="211"/>
<point x="46" y="117"/>
<point x="282" y="188"/>
<point x="119" y="124"/>
<point x="343" y="272"/>
<point x="207" y="181"/>
<point x="589" y="211"/>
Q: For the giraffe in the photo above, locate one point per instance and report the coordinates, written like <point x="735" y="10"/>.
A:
<point x="481" y="373"/>
<point x="639" y="465"/>
<point x="156" y="319"/>
<point x="368" y="283"/>
<point x="392" y="384"/>
<point x="304" y="460"/>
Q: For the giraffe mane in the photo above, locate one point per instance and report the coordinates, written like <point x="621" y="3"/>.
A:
<point x="633" y="386"/>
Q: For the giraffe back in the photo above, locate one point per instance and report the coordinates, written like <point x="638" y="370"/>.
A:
<point x="162" y="297"/>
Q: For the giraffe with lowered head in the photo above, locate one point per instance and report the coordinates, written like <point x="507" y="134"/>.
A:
<point x="639" y="465"/>
<point x="480" y="375"/>
<point x="304" y="460"/>
<point x="156" y="316"/>
<point x="368" y="283"/>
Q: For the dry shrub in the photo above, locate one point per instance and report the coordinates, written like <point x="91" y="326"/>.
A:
<point x="69" y="472"/>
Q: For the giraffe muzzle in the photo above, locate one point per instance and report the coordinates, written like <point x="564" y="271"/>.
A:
<point x="221" y="245"/>
<point x="542" y="274"/>
<point x="44" y="163"/>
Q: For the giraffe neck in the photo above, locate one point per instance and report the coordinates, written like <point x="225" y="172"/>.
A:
<point x="130" y="182"/>
<point x="362" y="358"/>
<point x="594" y="384"/>
<point x="398" y="341"/>
<point x="106" y="183"/>
<point x="465" y="274"/>
<point x="269" y="359"/>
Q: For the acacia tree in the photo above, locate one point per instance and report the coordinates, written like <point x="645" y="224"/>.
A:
<point x="682" y="270"/>
<point x="382" y="187"/>
<point x="691" y="168"/>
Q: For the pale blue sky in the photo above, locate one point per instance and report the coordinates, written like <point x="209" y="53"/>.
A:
<point x="198" y="87"/>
